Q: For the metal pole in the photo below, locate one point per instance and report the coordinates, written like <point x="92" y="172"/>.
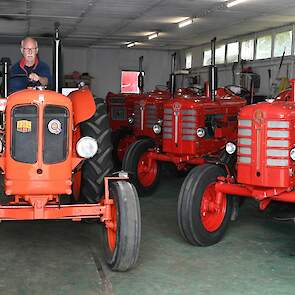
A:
<point x="141" y="76"/>
<point x="172" y="75"/>
<point x="5" y="62"/>
<point x="57" y="61"/>
<point x="213" y="71"/>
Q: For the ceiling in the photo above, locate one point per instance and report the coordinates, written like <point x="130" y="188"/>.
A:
<point x="114" y="23"/>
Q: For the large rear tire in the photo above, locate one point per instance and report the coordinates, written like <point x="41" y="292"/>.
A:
<point x="96" y="168"/>
<point x="121" y="241"/>
<point x="121" y="141"/>
<point x="144" y="171"/>
<point x="201" y="220"/>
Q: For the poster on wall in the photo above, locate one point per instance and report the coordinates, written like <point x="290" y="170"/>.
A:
<point x="129" y="82"/>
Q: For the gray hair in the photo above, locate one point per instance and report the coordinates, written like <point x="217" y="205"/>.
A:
<point x="26" y="39"/>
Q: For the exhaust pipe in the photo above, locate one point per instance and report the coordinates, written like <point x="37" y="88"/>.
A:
<point x="172" y="75"/>
<point x="57" y="80"/>
<point x="293" y="89"/>
<point x="213" y="71"/>
<point x="5" y="63"/>
<point x="140" y="81"/>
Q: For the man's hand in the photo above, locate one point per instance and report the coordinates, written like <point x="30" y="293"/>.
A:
<point x="34" y="77"/>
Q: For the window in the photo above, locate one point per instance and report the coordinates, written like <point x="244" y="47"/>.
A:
<point x="188" y="60"/>
<point x="283" y="42"/>
<point x="247" y="50"/>
<point x="220" y="54"/>
<point x="207" y="58"/>
<point x="263" y="47"/>
<point x="232" y="54"/>
<point x="129" y="82"/>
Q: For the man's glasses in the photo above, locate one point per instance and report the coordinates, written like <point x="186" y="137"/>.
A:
<point x="30" y="49"/>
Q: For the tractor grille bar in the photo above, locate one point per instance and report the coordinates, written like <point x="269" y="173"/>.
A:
<point x="167" y="123"/>
<point x="244" y="141"/>
<point x="188" y="126"/>
<point x="151" y="116"/>
<point x="278" y="143"/>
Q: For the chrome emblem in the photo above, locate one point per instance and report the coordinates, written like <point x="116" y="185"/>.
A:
<point x="176" y="107"/>
<point x="54" y="126"/>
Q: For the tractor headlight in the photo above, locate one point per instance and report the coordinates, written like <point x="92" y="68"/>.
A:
<point x="201" y="132"/>
<point x="86" y="147"/>
<point x="157" y="128"/>
<point x="292" y="154"/>
<point x="130" y="120"/>
<point x="230" y="148"/>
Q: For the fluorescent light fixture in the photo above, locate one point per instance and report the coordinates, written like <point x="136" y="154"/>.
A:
<point x="131" y="44"/>
<point x="235" y="2"/>
<point x="185" y="23"/>
<point x="153" y="36"/>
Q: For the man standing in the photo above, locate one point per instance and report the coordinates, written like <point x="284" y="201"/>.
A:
<point x="29" y="68"/>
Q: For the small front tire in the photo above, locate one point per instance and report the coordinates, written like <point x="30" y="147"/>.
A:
<point x="121" y="238"/>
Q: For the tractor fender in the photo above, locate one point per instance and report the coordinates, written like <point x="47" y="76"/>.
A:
<point x="83" y="105"/>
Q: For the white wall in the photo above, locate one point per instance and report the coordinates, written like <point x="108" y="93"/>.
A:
<point x="260" y="67"/>
<point x="105" y="65"/>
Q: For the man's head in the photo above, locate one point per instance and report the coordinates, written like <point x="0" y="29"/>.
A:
<point x="29" y="50"/>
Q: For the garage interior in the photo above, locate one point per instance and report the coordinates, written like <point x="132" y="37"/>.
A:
<point x="103" y="38"/>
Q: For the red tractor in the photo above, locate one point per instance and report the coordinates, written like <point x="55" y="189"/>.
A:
<point x="120" y="108"/>
<point x="132" y="116"/>
<point x="55" y="154"/>
<point x="194" y="129"/>
<point x="262" y="167"/>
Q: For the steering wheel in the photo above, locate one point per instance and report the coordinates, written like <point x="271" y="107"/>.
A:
<point x="161" y="88"/>
<point x="30" y="83"/>
<point x="239" y="91"/>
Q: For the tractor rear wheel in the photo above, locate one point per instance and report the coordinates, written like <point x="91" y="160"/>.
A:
<point x="121" y="140"/>
<point x="96" y="168"/>
<point x="144" y="171"/>
<point x="121" y="238"/>
<point x="201" y="219"/>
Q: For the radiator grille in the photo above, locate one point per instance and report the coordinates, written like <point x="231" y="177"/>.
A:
<point x="277" y="143"/>
<point x="55" y="145"/>
<point x="24" y="133"/>
<point x="186" y="123"/>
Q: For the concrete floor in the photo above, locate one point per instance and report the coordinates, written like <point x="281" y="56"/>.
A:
<point x="57" y="257"/>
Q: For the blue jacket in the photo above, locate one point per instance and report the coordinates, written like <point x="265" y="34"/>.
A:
<point x="19" y="83"/>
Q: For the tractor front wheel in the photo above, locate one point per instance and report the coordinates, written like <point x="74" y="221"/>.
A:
<point x="144" y="171"/>
<point x="121" y="235"/>
<point x="202" y="217"/>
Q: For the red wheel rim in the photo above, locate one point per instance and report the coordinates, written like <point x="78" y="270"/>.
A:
<point x="212" y="211"/>
<point x="147" y="170"/>
<point x="112" y="229"/>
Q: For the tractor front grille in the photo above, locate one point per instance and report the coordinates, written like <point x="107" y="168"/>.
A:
<point x="118" y="108"/>
<point x="24" y="140"/>
<point x="145" y="116"/>
<point x="55" y="145"/>
<point x="251" y="143"/>
<point x="245" y="141"/>
<point x="24" y="130"/>
<point x="180" y="126"/>
<point x="151" y="116"/>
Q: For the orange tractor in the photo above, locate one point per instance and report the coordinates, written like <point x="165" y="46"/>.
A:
<point x="264" y="169"/>
<point x="55" y="155"/>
